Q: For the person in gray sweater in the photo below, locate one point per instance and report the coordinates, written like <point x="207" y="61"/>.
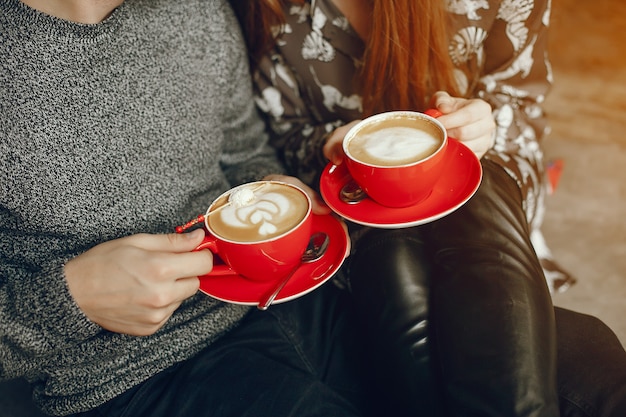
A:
<point x="118" y="121"/>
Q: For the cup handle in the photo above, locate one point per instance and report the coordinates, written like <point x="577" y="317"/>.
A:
<point x="433" y="113"/>
<point x="210" y="243"/>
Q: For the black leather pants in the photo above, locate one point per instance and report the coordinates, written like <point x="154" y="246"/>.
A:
<point x="389" y="282"/>
<point x="491" y="331"/>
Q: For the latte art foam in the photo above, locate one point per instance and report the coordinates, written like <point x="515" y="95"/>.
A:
<point x="394" y="141"/>
<point x="268" y="211"/>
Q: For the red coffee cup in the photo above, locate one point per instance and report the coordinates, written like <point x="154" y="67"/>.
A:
<point x="262" y="239"/>
<point x="396" y="157"/>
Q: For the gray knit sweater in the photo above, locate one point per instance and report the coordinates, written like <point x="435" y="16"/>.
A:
<point x="132" y="125"/>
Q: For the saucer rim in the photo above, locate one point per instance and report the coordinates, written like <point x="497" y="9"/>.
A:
<point x="457" y="150"/>
<point x="334" y="260"/>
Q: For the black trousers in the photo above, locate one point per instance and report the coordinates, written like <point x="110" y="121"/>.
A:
<point x="460" y="318"/>
<point x="300" y="358"/>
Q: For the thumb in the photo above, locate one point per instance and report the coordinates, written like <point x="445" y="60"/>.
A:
<point x="188" y="241"/>
<point x="172" y="242"/>
<point x="333" y="150"/>
<point x="335" y="155"/>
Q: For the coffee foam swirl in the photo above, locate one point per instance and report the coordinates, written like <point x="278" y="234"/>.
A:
<point x="394" y="145"/>
<point x="264" y="213"/>
<point x="269" y="212"/>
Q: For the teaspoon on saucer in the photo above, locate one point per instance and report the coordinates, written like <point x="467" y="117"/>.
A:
<point x="315" y="250"/>
<point x="352" y="193"/>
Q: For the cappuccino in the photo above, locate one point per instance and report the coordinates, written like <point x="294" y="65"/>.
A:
<point x="395" y="141"/>
<point x="257" y="212"/>
<point x="396" y="157"/>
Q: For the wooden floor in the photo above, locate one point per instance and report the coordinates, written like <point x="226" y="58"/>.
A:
<point x="586" y="219"/>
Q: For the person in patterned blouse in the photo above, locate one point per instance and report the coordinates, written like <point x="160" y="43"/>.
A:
<point x="471" y="283"/>
<point x="495" y="53"/>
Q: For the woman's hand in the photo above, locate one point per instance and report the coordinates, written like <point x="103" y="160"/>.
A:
<point x="333" y="148"/>
<point x="134" y="284"/>
<point x="318" y="204"/>
<point x="468" y="120"/>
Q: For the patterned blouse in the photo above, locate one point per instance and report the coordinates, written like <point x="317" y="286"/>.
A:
<point x="305" y="84"/>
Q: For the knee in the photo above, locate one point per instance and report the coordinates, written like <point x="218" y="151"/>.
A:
<point x="591" y="366"/>
<point x="389" y="281"/>
<point x="382" y="249"/>
<point x="494" y="211"/>
<point x="582" y="336"/>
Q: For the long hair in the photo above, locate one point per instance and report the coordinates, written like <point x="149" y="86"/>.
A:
<point x="406" y="57"/>
<point x="258" y="18"/>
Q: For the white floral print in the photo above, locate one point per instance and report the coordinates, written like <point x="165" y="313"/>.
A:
<point x="315" y="46"/>
<point x="515" y="13"/>
<point x="468" y="8"/>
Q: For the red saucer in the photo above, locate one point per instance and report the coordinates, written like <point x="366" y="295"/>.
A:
<point x="462" y="177"/>
<point x="238" y="290"/>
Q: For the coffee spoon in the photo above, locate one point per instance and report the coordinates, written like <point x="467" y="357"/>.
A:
<point x="202" y="217"/>
<point x="315" y="250"/>
<point x="352" y="193"/>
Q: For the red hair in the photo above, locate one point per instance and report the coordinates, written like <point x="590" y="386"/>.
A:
<point x="405" y="61"/>
<point x="257" y="18"/>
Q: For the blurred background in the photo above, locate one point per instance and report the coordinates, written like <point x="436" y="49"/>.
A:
<point x="585" y="223"/>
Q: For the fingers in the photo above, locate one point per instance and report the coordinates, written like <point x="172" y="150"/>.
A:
<point x="126" y="289"/>
<point x="478" y="136"/>
<point x="333" y="148"/>
<point x="134" y="320"/>
<point x="157" y="305"/>
<point x="319" y="206"/>
<point x="473" y="130"/>
<point x="172" y="242"/>
<point x="133" y="285"/>
<point x="170" y="297"/>
<point x="443" y="102"/>
<point x="464" y="113"/>
<point x="470" y="121"/>
<point x="178" y="266"/>
<point x="171" y="257"/>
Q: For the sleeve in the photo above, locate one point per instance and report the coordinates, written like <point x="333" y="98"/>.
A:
<point x="38" y="316"/>
<point x="517" y="76"/>
<point x="515" y="79"/>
